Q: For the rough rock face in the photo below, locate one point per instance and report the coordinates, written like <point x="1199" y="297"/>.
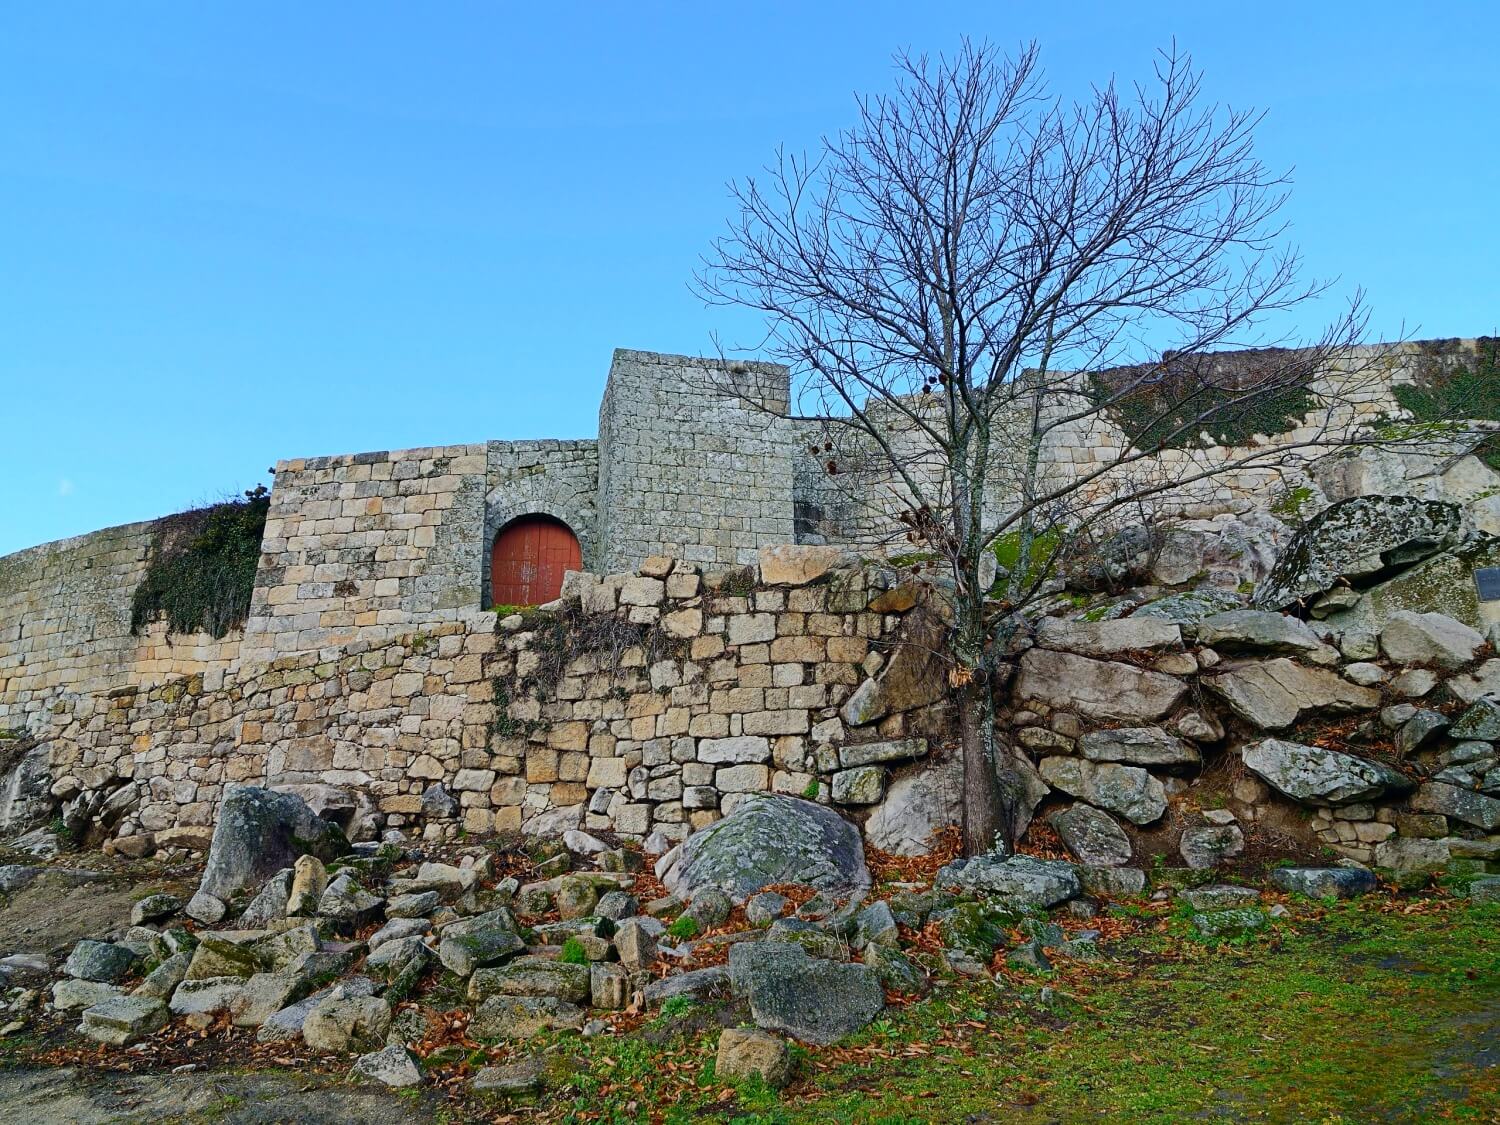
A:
<point x="1018" y="881"/>
<point x="1359" y="539"/>
<point x="771" y="839"/>
<point x="1429" y="638"/>
<point x="922" y="803"/>
<point x="25" y="797"/>
<point x="809" y="999"/>
<point x="1259" y="630"/>
<point x="1317" y="776"/>
<point x="1442" y="584"/>
<point x="1324" y="882"/>
<point x="1224" y="551"/>
<point x="1099" y="689"/>
<point x="1460" y="804"/>
<point x="1127" y="790"/>
<point x="258" y="833"/>
<point x="912" y="678"/>
<point x="1272" y="694"/>
<point x="1105" y="638"/>
<point x="1137" y="746"/>
<point x="1092" y="836"/>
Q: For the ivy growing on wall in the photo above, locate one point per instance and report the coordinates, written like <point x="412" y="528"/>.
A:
<point x="202" y="568"/>
<point x="1452" y="385"/>
<point x="1229" y="397"/>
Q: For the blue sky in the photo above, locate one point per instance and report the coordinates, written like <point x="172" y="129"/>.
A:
<point x="234" y="233"/>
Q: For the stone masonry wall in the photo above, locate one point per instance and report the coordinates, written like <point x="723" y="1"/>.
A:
<point x="694" y="460"/>
<point x="643" y="702"/>
<point x="65" y="625"/>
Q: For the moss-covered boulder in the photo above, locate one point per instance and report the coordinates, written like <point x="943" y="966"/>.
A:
<point x="259" y="832"/>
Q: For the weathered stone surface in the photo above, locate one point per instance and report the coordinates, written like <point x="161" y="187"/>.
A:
<point x="1137" y="746"/>
<point x="1272" y="694"/>
<point x="871" y="753"/>
<point x="532" y="976"/>
<point x="309" y="881"/>
<point x="287" y="1023"/>
<point x="1209" y="845"/>
<point x="154" y="908"/>
<point x="771" y="839"/>
<point x="797" y="564"/>
<point x="1459" y="804"/>
<point x="1358" y="538"/>
<point x="1324" y="882"/>
<point x="1219" y="896"/>
<point x="1127" y="790"/>
<point x="1481" y="721"/>
<point x="479" y="942"/>
<point x="160" y="982"/>
<point x="260" y="831"/>
<point x="520" y="1017"/>
<point x="342" y="1025"/>
<point x="911" y="679"/>
<point x="1106" y="638"/>
<point x="218" y="957"/>
<point x="391" y="1066"/>
<point x="521" y="1076"/>
<point x="811" y="1000"/>
<point x="746" y="1053"/>
<point x="1429" y="638"/>
<point x="1441" y="584"/>
<point x="895" y="970"/>
<point x="1423" y="729"/>
<point x="698" y="984"/>
<point x="99" y="961"/>
<point x="1112" y="881"/>
<point x="636" y="944"/>
<point x="71" y="993"/>
<point x="1258" y="630"/>
<point x="206" y="995"/>
<point x="265" y="994"/>
<point x="1016" y="881"/>
<point x="862" y="785"/>
<point x="1317" y="776"/>
<point x="1228" y="923"/>
<point x="1190" y="607"/>
<point x="1092" y="835"/>
<point x="1099" y="689"/>
<point x="348" y="904"/>
<point x="269" y="903"/>
<point x="122" y="1020"/>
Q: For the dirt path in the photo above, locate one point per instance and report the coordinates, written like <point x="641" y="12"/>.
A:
<point x="45" y="1097"/>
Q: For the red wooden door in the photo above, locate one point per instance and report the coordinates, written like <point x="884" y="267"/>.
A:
<point x="530" y="557"/>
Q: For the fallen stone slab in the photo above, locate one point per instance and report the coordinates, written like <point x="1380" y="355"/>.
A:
<point x="1107" y="638"/>
<point x="1314" y="775"/>
<point x="1429" y="638"/>
<point x="71" y="994"/>
<point x="521" y="1017"/>
<point x="519" y="1077"/>
<point x="811" y="1000"/>
<point x="696" y="985"/>
<point x="1219" y="896"/>
<point x="746" y="1053"/>
<point x="1127" y="790"/>
<point x="1138" y="746"/>
<point x="1460" y="804"/>
<point x="532" y="976"/>
<point x="1093" y="836"/>
<point x="1324" y="882"/>
<point x="1273" y="694"/>
<point x="287" y="1024"/>
<point x="1017" y="881"/>
<point x="1209" y="845"/>
<point x="1258" y="630"/>
<point x="342" y="1025"/>
<point x="122" y="1020"/>
<point x="1228" y="923"/>
<point x="205" y="996"/>
<point x="392" y="1067"/>
<point x="1098" y="689"/>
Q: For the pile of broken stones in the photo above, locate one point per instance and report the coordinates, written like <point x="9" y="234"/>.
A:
<point x="772" y="910"/>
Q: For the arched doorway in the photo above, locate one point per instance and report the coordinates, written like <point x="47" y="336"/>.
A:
<point x="529" y="559"/>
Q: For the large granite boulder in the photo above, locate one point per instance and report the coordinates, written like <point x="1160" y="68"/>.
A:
<point x="1359" y="540"/>
<point x="26" y="800"/>
<point x="259" y="832"/>
<point x="1313" y="775"/>
<point x="1127" y="790"/>
<point x="811" y="1000"/>
<point x="1099" y="689"/>
<point x="1442" y="584"/>
<point x="1224" y="551"/>
<point x="1272" y="694"/>
<point x="919" y="805"/>
<point x="771" y="838"/>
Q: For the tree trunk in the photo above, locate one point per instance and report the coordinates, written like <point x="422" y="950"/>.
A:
<point x="981" y="797"/>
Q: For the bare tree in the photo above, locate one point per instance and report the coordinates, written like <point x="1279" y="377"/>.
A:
<point x="940" y="274"/>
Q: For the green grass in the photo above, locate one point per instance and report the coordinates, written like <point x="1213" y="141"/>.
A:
<point x="1349" y="1015"/>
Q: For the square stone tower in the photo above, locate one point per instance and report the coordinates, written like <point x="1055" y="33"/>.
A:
<point x="695" y="460"/>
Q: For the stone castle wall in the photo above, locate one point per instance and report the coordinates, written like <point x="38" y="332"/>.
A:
<point x="677" y="692"/>
<point x="694" y="460"/>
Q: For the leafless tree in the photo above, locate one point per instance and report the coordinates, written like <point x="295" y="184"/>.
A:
<point x="938" y="275"/>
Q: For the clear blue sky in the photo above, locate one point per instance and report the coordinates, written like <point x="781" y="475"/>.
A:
<point x="231" y="233"/>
